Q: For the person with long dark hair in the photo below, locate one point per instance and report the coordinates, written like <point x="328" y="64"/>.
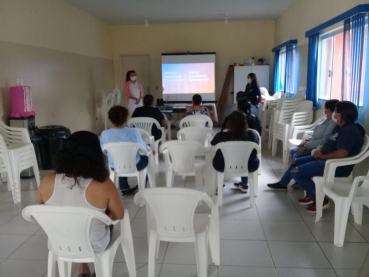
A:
<point x="149" y="111"/>
<point x="133" y="90"/>
<point x="252" y="92"/>
<point x="81" y="179"/>
<point x="346" y="140"/>
<point x="237" y="131"/>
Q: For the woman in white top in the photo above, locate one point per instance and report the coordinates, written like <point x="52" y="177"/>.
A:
<point x="81" y="179"/>
<point x="134" y="91"/>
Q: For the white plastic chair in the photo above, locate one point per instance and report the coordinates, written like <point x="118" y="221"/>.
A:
<point x="329" y="176"/>
<point x="305" y="130"/>
<point x="146" y="124"/>
<point x="21" y="155"/>
<point x="203" y="135"/>
<point x="168" y="131"/>
<point x="5" y="167"/>
<point x="124" y="158"/>
<point x="236" y="158"/>
<point x="179" y="159"/>
<point x="171" y="216"/>
<point x="68" y="231"/>
<point x="196" y="121"/>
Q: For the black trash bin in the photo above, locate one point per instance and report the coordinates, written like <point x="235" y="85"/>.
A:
<point x="28" y="173"/>
<point x="52" y="139"/>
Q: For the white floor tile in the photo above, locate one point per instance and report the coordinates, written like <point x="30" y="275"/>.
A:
<point x="17" y="268"/>
<point x="350" y="256"/>
<point x="303" y="272"/>
<point x="324" y="231"/>
<point x="9" y="243"/>
<point x="298" y="254"/>
<point x="245" y="253"/>
<point x="170" y="270"/>
<point x="181" y="253"/>
<point x="35" y="248"/>
<point x="347" y="273"/>
<point x="241" y="230"/>
<point x="18" y="226"/>
<point x="278" y="213"/>
<point x="120" y="270"/>
<point x="235" y="271"/>
<point x="287" y="231"/>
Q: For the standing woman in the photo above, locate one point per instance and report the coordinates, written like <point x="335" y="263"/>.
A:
<point x="252" y="92"/>
<point x="134" y="91"/>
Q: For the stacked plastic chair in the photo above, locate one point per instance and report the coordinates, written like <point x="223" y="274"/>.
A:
<point x="287" y="120"/>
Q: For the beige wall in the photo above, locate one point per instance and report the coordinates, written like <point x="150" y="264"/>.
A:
<point x="232" y="43"/>
<point x="64" y="54"/>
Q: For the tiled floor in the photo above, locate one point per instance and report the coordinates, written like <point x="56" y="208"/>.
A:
<point x="275" y="238"/>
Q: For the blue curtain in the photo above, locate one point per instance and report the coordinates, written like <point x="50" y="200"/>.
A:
<point x="312" y="70"/>
<point x="345" y="89"/>
<point x="288" y="81"/>
<point x="276" y="70"/>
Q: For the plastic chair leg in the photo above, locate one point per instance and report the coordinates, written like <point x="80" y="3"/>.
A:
<point x="152" y="253"/>
<point x="127" y="244"/>
<point x="358" y="212"/>
<point x="51" y="265"/>
<point x="199" y="179"/>
<point x="319" y="194"/>
<point x="220" y="180"/>
<point x="202" y="254"/>
<point x="342" y="209"/>
<point x="102" y="266"/>
<point x="274" y="147"/>
<point x="65" y="269"/>
<point x="214" y="237"/>
<point x="169" y="178"/>
<point x="142" y="179"/>
<point x="252" y="189"/>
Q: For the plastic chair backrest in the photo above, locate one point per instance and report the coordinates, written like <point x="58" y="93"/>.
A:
<point x="124" y="155"/>
<point x="173" y="209"/>
<point x="182" y="154"/>
<point x="4" y="157"/>
<point x="199" y="134"/>
<point x="236" y="155"/>
<point x="305" y="106"/>
<point x="264" y="91"/>
<point x="145" y="136"/>
<point x="14" y="135"/>
<point x="195" y="121"/>
<point x="144" y="123"/>
<point x="67" y="228"/>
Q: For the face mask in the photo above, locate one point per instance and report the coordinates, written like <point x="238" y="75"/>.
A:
<point x="133" y="78"/>
<point x="249" y="81"/>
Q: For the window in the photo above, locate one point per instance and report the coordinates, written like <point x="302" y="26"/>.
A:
<point x="285" y="76"/>
<point x="335" y="73"/>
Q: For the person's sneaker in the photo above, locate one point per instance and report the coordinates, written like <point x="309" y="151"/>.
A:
<point x="277" y="186"/>
<point x="244" y="188"/>
<point x="306" y="201"/>
<point x="128" y="191"/>
<point x="312" y="208"/>
<point x="295" y="186"/>
<point x="238" y="185"/>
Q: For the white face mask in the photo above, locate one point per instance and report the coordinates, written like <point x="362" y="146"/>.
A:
<point x="249" y="81"/>
<point x="333" y="118"/>
<point x="133" y="78"/>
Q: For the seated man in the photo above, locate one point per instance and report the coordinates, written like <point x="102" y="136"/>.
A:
<point x="118" y="116"/>
<point x="346" y="140"/>
<point x="149" y="111"/>
<point x="240" y="95"/>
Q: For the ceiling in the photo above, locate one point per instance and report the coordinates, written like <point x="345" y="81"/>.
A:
<point x="170" y="11"/>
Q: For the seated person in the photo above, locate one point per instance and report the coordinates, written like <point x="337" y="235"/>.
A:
<point x="149" y="111"/>
<point x="81" y="179"/>
<point x="118" y="116"/>
<point x="321" y="133"/>
<point x="253" y="121"/>
<point x="240" y="95"/>
<point x="237" y="131"/>
<point x="196" y="108"/>
<point x="346" y="140"/>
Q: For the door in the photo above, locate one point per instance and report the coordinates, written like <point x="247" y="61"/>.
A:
<point x="140" y="64"/>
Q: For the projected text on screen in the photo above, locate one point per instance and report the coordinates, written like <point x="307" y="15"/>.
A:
<point x="188" y="78"/>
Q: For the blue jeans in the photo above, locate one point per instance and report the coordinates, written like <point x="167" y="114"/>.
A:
<point x="141" y="165"/>
<point x="295" y="149"/>
<point x="309" y="167"/>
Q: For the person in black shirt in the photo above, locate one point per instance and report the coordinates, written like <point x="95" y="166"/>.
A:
<point x="149" y="111"/>
<point x="237" y="131"/>
<point x="252" y="92"/>
<point x="253" y="122"/>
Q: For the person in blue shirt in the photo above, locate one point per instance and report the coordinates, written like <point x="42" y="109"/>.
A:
<point x="346" y="140"/>
<point x="118" y="116"/>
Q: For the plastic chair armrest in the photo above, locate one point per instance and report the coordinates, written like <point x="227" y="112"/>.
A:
<point x="332" y="164"/>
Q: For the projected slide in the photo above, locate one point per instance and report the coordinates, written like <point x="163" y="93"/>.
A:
<point x="188" y="78"/>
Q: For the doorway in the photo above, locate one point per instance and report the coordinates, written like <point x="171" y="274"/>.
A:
<point x="140" y="64"/>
